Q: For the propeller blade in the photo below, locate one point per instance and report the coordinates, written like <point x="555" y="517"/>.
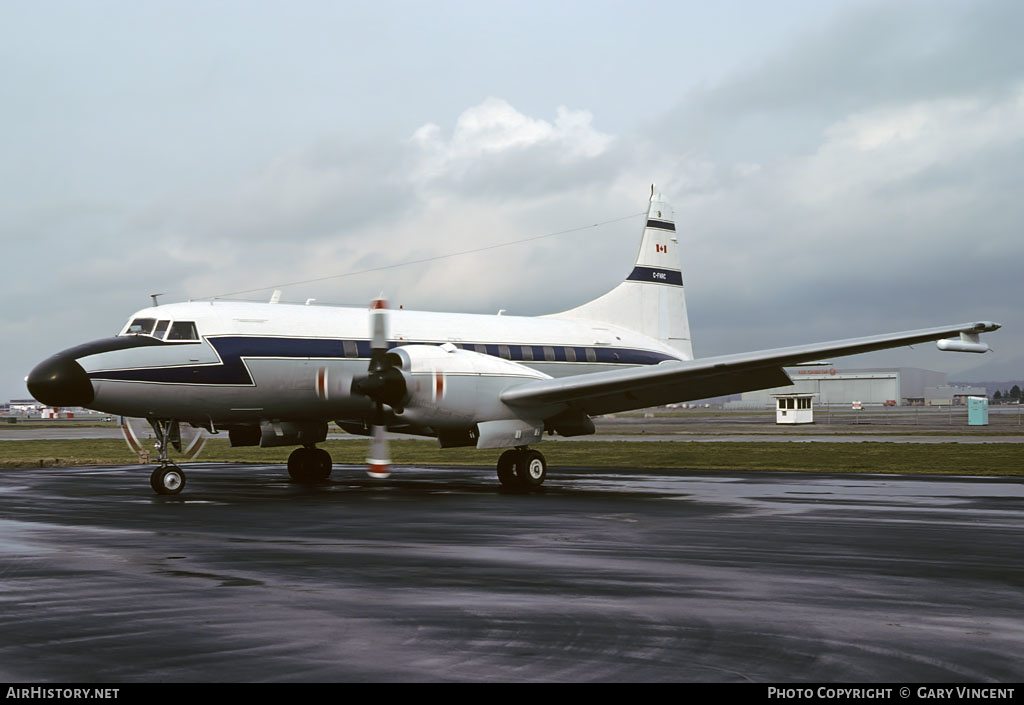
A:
<point x="378" y="464"/>
<point x="195" y="443"/>
<point x="132" y="430"/>
<point x="378" y="326"/>
<point x="382" y="384"/>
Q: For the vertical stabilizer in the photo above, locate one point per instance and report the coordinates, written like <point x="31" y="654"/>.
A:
<point x="650" y="301"/>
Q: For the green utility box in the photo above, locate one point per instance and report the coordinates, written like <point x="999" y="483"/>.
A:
<point x="977" y="411"/>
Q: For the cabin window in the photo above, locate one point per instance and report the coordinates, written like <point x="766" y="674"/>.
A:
<point x="482" y="349"/>
<point x="527" y="352"/>
<point x="161" y="328"/>
<point x="504" y="352"/>
<point x="549" y="353"/>
<point x="183" y="330"/>
<point x="591" y="355"/>
<point x="570" y="354"/>
<point x="350" y="348"/>
<point x="141" y="326"/>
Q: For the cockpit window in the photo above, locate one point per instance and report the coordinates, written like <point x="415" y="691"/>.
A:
<point x="141" y="326"/>
<point x="161" y="328"/>
<point x="183" y="330"/>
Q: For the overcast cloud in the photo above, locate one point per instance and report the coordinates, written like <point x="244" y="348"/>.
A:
<point x="843" y="170"/>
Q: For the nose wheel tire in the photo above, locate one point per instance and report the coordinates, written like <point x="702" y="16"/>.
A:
<point x="167" y="480"/>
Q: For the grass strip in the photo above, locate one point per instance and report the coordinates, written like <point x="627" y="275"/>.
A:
<point x="869" y="457"/>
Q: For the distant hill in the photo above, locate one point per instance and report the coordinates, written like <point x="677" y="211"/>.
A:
<point x="1006" y="373"/>
<point x="991" y="387"/>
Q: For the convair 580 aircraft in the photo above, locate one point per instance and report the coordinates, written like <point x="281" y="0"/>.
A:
<point x="276" y="375"/>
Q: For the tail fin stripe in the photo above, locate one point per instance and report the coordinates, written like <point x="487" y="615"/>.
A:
<point x="658" y="276"/>
<point x="661" y="225"/>
<point x="650" y="301"/>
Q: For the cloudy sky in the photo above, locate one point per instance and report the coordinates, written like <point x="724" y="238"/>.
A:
<point x="837" y="168"/>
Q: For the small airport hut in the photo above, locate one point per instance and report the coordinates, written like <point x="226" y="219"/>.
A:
<point x="794" y="408"/>
<point x="977" y="411"/>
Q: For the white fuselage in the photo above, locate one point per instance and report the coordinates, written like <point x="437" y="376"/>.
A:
<point x="249" y="362"/>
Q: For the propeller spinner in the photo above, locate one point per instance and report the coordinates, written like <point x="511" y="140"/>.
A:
<point x="384" y="385"/>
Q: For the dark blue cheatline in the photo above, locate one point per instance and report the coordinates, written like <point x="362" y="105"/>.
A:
<point x="232" y="349"/>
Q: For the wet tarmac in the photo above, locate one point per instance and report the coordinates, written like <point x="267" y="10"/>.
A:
<point x="437" y="574"/>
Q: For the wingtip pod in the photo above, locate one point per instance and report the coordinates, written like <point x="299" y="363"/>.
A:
<point x="970" y="339"/>
<point x="967" y="343"/>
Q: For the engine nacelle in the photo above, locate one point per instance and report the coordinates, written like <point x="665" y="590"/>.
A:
<point x="451" y="388"/>
<point x="271" y="434"/>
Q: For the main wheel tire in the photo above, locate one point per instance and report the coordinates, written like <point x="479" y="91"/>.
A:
<point x="167" y="480"/>
<point x="507" y="468"/>
<point x="531" y="468"/>
<point x="299" y="465"/>
<point x="323" y="464"/>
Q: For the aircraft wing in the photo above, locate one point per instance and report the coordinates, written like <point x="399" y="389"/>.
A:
<point x="676" y="381"/>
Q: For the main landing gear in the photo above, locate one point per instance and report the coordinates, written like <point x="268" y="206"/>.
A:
<point x="309" y="464"/>
<point x="167" y="478"/>
<point x="522" y="468"/>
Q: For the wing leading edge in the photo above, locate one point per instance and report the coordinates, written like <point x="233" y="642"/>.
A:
<point x="670" y="382"/>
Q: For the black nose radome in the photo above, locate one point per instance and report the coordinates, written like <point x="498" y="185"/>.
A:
<point x="60" y="381"/>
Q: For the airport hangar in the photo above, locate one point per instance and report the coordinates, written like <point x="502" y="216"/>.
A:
<point x="881" y="386"/>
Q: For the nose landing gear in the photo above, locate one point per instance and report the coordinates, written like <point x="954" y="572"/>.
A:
<point x="167" y="478"/>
